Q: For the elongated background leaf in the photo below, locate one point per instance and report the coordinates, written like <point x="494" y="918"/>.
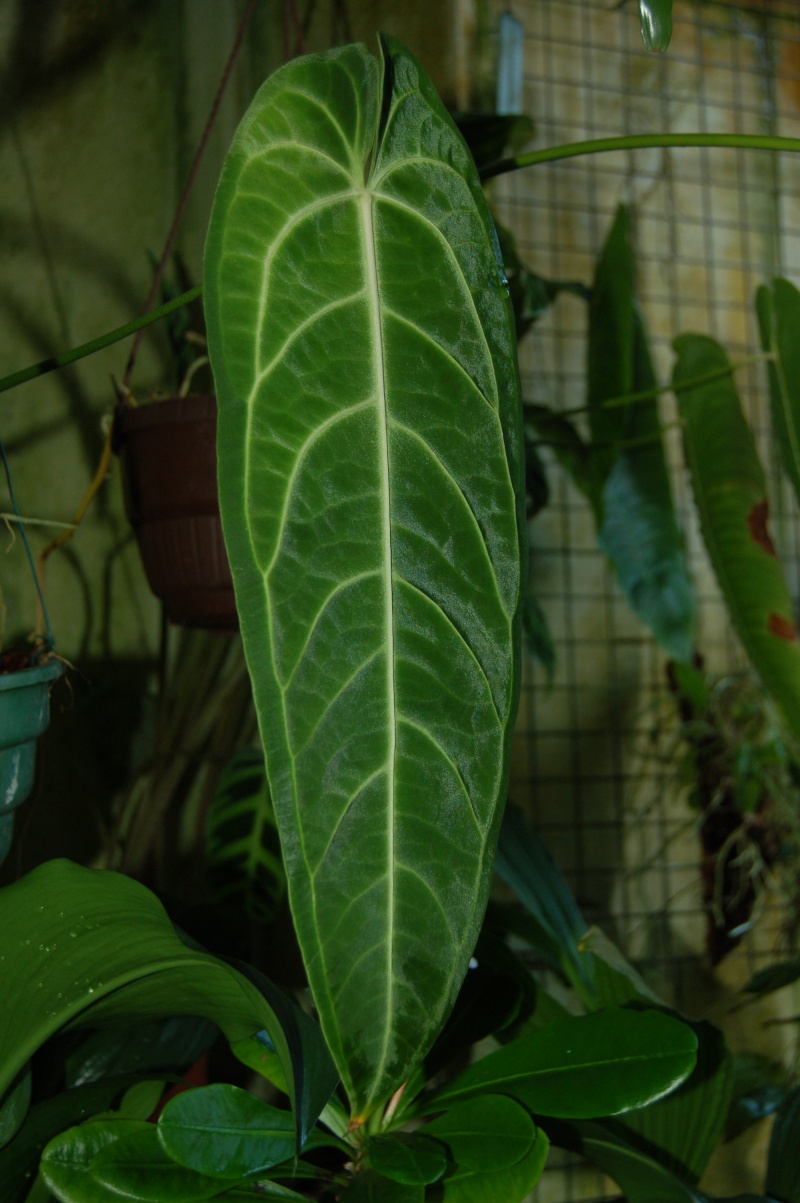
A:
<point x="729" y="490"/>
<point x="778" y="312"/>
<point x="363" y="350"/>
<point x="637" y="527"/>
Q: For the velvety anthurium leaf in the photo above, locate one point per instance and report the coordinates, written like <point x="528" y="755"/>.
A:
<point x="225" y="1132"/>
<point x="637" y="527"/>
<point x="512" y="1184"/>
<point x="370" y="1187"/>
<point x="371" y="491"/>
<point x="408" y="1157"/>
<point x="584" y="1066"/>
<point x="19" y="1159"/>
<point x="137" y="1166"/>
<point x="783" y="1163"/>
<point x="97" y="947"/>
<point x="730" y="493"/>
<point x="655" y="21"/>
<point x="525" y="864"/>
<point x="778" y="310"/>
<point x="243" y="853"/>
<point x="487" y="1133"/>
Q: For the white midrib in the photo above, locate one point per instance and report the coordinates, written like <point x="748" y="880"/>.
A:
<point x="383" y="421"/>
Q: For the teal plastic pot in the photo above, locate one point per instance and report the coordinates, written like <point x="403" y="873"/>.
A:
<point x="24" y="715"/>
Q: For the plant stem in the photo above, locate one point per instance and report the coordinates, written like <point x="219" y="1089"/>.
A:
<point x="570" y="150"/>
<point x="97" y="344"/>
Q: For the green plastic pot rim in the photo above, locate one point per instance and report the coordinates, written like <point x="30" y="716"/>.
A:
<point x="23" y="678"/>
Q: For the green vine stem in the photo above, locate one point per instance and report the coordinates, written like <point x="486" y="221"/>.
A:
<point x="571" y="150"/>
<point x="550" y="154"/>
<point x="97" y="344"/>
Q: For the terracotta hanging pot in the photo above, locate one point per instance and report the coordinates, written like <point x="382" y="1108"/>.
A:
<point x="169" y="469"/>
<point x="24" y="715"/>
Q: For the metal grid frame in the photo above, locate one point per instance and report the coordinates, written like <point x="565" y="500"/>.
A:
<point x="709" y="226"/>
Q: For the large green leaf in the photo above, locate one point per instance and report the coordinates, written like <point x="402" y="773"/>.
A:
<point x="778" y="312"/>
<point x="243" y="852"/>
<point x="584" y="1066"/>
<point x="408" y="1157"/>
<point x="637" y="527"/>
<point x="511" y="1184"/>
<point x="89" y="947"/>
<point x="729" y="489"/>
<point x="370" y="484"/>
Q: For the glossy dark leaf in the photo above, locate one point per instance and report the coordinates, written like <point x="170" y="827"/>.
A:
<point x="488" y="1133"/>
<point x="682" y="1130"/>
<point x="510" y="1185"/>
<point x="66" y="1162"/>
<point x="19" y="1159"/>
<point x="778" y="312"/>
<point x="15" y="1104"/>
<point x="243" y="852"/>
<point x="655" y="21"/>
<point x="225" y="1132"/>
<point x="171" y="1045"/>
<point x="99" y="947"/>
<point x="524" y="863"/>
<point x="370" y="485"/>
<point x="137" y="1165"/>
<point x="585" y="1066"/>
<point x="411" y="1158"/>
<point x="783" y="1162"/>
<point x="729" y="490"/>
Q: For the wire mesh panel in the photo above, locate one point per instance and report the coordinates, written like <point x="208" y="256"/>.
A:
<point x="596" y="760"/>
